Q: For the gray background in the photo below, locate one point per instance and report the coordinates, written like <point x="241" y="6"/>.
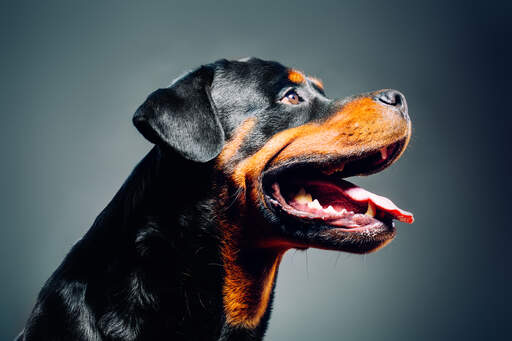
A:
<point x="73" y="74"/>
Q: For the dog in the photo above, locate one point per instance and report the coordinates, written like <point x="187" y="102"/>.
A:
<point x="249" y="161"/>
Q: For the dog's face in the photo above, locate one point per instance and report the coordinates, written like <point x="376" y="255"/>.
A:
<point x="282" y="149"/>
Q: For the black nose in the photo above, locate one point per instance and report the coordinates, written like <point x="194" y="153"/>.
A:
<point x="393" y="98"/>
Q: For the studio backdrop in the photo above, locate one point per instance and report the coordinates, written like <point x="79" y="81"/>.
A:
<point x="73" y="74"/>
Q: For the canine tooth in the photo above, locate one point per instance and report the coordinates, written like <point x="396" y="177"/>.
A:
<point x="384" y="153"/>
<point x="315" y="204"/>
<point x="371" y="209"/>
<point x="302" y="197"/>
<point x="331" y="209"/>
<point x="343" y="211"/>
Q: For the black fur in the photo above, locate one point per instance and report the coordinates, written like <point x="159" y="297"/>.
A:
<point x="183" y="117"/>
<point x="149" y="268"/>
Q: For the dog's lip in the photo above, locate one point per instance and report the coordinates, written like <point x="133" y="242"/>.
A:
<point x="328" y="163"/>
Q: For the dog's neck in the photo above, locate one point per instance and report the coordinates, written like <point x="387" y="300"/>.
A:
<point x="176" y="257"/>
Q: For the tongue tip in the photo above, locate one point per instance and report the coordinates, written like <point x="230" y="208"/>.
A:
<point x="397" y="213"/>
<point x="361" y="195"/>
<point x="407" y="218"/>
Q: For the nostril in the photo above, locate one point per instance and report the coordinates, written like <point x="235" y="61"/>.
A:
<point x="391" y="97"/>
<point x="398" y="99"/>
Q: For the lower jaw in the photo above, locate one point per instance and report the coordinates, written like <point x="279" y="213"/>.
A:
<point x="360" y="247"/>
<point x="357" y="240"/>
<point x="335" y="240"/>
<point x="315" y="233"/>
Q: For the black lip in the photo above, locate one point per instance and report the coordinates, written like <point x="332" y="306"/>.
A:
<point x="302" y="163"/>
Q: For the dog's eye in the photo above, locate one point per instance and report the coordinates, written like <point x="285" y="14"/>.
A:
<point x="291" y="97"/>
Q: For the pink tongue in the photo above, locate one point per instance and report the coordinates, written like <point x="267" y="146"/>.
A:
<point x="361" y="195"/>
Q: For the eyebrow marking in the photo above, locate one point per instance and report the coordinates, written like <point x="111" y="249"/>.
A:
<point x="296" y="77"/>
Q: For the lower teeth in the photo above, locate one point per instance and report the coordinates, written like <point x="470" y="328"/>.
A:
<point x="302" y="197"/>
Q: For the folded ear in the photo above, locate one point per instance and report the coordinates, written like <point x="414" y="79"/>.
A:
<point x="183" y="117"/>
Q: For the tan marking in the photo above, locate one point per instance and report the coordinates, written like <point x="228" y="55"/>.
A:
<point x="296" y="77"/>
<point x="361" y="125"/>
<point x="245" y="297"/>
<point x="231" y="147"/>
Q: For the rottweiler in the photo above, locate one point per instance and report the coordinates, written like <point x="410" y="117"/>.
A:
<point x="249" y="161"/>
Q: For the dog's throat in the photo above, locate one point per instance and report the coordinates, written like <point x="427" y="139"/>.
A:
<point x="248" y="284"/>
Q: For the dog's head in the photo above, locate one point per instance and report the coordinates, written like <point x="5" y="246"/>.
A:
<point x="283" y="149"/>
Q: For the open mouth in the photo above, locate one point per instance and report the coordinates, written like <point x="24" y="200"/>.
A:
<point x="314" y="191"/>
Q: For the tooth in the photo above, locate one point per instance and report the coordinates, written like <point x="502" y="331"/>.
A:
<point x="302" y="197"/>
<point x="315" y="204"/>
<point x="384" y="153"/>
<point x="343" y="211"/>
<point x="371" y="209"/>
<point x="331" y="210"/>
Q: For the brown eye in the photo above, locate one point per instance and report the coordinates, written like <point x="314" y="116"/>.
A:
<point x="291" y="97"/>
